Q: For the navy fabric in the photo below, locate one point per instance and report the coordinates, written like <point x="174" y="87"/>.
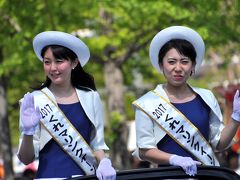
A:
<point x="197" y="112"/>
<point x="53" y="161"/>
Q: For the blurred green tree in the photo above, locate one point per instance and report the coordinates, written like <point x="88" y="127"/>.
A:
<point x="120" y="33"/>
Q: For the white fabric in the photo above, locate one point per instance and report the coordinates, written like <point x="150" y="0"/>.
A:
<point x="177" y="126"/>
<point x="176" y="32"/>
<point x="70" y="41"/>
<point x="93" y="108"/>
<point x="65" y="134"/>
<point x="131" y="145"/>
<point x="148" y="133"/>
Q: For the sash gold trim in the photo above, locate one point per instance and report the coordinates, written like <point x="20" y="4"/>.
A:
<point x="177" y="126"/>
<point x="65" y="134"/>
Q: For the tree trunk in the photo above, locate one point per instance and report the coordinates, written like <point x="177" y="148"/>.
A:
<point x="5" y="139"/>
<point x="115" y="102"/>
<point x="114" y="87"/>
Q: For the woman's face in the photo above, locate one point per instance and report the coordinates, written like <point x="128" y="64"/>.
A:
<point x="176" y="67"/>
<point x="57" y="70"/>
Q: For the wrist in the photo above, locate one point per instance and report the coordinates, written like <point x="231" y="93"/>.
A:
<point x="105" y="160"/>
<point x="171" y="158"/>
<point x="29" y="132"/>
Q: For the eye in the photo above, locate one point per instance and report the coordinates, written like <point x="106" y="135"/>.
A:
<point x="171" y="61"/>
<point x="185" y="60"/>
<point x="59" y="60"/>
<point x="46" y="61"/>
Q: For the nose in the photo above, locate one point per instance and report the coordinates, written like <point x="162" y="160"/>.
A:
<point x="53" y="66"/>
<point x="178" y="66"/>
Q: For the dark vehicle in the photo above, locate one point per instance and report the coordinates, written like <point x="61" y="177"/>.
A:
<point x="171" y="173"/>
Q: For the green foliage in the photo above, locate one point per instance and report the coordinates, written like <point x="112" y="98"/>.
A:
<point x="115" y="119"/>
<point x="119" y="24"/>
<point x="128" y="99"/>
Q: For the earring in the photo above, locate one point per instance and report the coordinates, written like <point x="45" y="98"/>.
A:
<point x="192" y="72"/>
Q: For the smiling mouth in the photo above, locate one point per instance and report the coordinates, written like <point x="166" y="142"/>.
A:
<point x="54" y="75"/>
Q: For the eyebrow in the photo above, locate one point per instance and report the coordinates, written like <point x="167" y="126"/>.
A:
<point x="183" y="58"/>
<point x="46" y="58"/>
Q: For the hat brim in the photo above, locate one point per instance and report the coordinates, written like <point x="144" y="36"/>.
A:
<point x="63" y="39"/>
<point x="176" y="32"/>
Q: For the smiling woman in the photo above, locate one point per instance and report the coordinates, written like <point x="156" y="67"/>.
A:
<point x="58" y="70"/>
<point x="62" y="120"/>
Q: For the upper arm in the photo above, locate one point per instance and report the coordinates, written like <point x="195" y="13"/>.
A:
<point x="98" y="141"/>
<point x="144" y="130"/>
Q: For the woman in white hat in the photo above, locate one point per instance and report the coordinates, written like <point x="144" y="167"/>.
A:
<point x="176" y="123"/>
<point x="62" y="122"/>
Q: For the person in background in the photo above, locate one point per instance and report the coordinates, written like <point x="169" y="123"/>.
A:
<point x="178" y="124"/>
<point x="1" y="169"/>
<point x="61" y="121"/>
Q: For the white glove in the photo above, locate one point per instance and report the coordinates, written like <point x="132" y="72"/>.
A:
<point x="187" y="163"/>
<point x="30" y="116"/>
<point x="105" y="171"/>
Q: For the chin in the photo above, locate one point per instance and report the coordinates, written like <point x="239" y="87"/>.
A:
<point x="178" y="84"/>
<point x="57" y="82"/>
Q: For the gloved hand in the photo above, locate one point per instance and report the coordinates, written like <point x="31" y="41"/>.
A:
<point x="30" y="116"/>
<point x="187" y="163"/>
<point x="236" y="107"/>
<point x="105" y="171"/>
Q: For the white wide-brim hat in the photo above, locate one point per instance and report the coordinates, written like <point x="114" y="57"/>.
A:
<point x="69" y="41"/>
<point x="176" y="32"/>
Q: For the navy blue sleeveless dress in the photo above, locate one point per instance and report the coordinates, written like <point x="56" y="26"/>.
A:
<point x="53" y="161"/>
<point x="197" y="111"/>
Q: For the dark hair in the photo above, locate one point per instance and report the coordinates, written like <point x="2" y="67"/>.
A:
<point x="79" y="78"/>
<point x="182" y="46"/>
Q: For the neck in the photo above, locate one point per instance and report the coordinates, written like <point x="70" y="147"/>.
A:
<point x="64" y="95"/>
<point x="179" y="94"/>
<point x="176" y="89"/>
<point x="61" y="91"/>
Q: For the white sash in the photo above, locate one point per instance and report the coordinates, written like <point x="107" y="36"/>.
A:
<point x="177" y="126"/>
<point x="64" y="133"/>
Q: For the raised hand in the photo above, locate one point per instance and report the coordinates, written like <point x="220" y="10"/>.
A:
<point x="187" y="163"/>
<point x="105" y="171"/>
<point x="29" y="116"/>
<point x="236" y="107"/>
